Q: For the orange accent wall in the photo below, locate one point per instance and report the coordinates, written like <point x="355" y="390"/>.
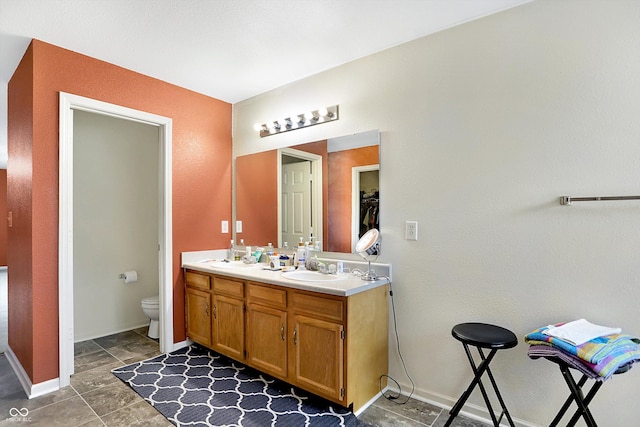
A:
<point x="201" y="183"/>
<point x="257" y="185"/>
<point x="340" y="165"/>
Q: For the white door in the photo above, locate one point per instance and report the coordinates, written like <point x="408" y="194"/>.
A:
<point x="296" y="202"/>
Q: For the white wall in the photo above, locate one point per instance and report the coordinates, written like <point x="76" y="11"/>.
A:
<point x="115" y="222"/>
<point x="483" y="127"/>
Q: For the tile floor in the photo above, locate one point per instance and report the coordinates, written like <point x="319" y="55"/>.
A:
<point x="97" y="398"/>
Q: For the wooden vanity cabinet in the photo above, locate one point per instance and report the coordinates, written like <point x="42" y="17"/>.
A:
<point x="228" y="317"/>
<point x="267" y="329"/>
<point x="317" y="343"/>
<point x="333" y="346"/>
<point x="198" y="301"/>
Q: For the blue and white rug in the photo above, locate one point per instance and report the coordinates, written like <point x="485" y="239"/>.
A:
<point x="197" y="387"/>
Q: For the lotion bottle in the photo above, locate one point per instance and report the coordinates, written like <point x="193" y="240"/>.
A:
<point x="301" y="256"/>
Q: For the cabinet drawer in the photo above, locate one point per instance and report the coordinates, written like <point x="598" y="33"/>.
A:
<point x="197" y="280"/>
<point x="229" y="287"/>
<point x="266" y="295"/>
<point x="318" y="306"/>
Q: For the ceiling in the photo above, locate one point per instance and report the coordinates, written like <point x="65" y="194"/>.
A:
<point x="227" y="49"/>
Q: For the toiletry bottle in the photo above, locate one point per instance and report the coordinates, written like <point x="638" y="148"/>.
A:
<point x="285" y="261"/>
<point x="258" y="254"/>
<point x="230" y="253"/>
<point x="301" y="256"/>
<point x="270" y="249"/>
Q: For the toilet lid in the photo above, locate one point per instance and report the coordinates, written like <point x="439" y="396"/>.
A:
<point x="151" y="300"/>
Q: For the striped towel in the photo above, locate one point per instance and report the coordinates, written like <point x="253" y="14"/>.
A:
<point x="594" y="351"/>
<point x="601" y="371"/>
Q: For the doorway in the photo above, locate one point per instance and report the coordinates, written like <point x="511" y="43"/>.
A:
<point x="68" y="104"/>
<point x="364" y="201"/>
<point x="299" y="197"/>
<point x="115" y="222"/>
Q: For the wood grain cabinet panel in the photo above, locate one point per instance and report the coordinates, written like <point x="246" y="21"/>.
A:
<point x="267" y="339"/>
<point x="199" y="316"/>
<point x="333" y="346"/>
<point x="318" y="356"/>
<point x="228" y="326"/>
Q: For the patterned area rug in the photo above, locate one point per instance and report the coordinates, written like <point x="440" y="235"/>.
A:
<point x="197" y="387"/>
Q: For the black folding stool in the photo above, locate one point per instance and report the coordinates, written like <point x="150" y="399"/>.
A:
<point x="482" y="335"/>
<point x="578" y="396"/>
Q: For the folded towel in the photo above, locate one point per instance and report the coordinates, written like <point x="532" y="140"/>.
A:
<point x="593" y="351"/>
<point x="580" y="331"/>
<point x="537" y="351"/>
<point x="600" y="371"/>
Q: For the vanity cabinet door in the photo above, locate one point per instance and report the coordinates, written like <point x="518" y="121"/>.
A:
<point x="317" y="349"/>
<point x="198" y="307"/>
<point x="267" y="329"/>
<point x="228" y="326"/>
<point x="266" y="339"/>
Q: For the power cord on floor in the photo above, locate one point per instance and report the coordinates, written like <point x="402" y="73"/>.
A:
<point x="387" y="396"/>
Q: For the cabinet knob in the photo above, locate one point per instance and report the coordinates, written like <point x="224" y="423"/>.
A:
<point x="282" y="332"/>
<point x="215" y="311"/>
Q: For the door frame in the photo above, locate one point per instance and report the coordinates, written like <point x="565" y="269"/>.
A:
<point x="68" y="103"/>
<point x="316" y="197"/>
<point x="355" y="201"/>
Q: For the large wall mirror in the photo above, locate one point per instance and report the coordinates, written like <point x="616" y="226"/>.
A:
<point x="325" y="190"/>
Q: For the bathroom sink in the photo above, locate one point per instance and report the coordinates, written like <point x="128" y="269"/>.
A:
<point x="310" y="276"/>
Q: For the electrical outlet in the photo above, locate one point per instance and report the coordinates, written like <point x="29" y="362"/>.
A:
<point x="411" y="230"/>
<point x="238" y="226"/>
<point x="225" y="226"/>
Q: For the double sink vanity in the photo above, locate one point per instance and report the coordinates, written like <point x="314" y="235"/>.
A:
<point x="327" y="334"/>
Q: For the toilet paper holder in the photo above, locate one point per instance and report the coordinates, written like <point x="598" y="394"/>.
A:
<point x="129" y="276"/>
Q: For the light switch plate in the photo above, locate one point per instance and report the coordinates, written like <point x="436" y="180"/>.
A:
<point x="238" y="226"/>
<point x="225" y="226"/>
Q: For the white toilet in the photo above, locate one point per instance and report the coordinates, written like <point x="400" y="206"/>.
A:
<point x="151" y="308"/>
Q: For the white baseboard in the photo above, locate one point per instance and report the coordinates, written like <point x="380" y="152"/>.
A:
<point x="469" y="410"/>
<point x="369" y="403"/>
<point x="32" y="390"/>
<point x="181" y="344"/>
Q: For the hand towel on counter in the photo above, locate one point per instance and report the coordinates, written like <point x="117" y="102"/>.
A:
<point x="580" y="331"/>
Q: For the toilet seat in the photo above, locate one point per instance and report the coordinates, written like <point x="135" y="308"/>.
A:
<point x="151" y="301"/>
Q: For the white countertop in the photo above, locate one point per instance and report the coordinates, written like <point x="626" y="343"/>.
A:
<point x="344" y="285"/>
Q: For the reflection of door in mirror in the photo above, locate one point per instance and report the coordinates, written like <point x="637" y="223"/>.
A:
<point x="296" y="201"/>
<point x="301" y="190"/>
<point x="366" y="214"/>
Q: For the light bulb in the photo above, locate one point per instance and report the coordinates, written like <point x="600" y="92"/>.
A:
<point x="323" y="111"/>
<point x="257" y="127"/>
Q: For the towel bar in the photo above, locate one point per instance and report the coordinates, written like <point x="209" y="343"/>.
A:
<point x="566" y="200"/>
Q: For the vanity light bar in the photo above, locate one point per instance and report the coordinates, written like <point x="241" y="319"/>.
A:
<point x="298" y="121"/>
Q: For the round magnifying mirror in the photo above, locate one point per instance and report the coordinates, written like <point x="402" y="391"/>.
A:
<point x="369" y="247"/>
